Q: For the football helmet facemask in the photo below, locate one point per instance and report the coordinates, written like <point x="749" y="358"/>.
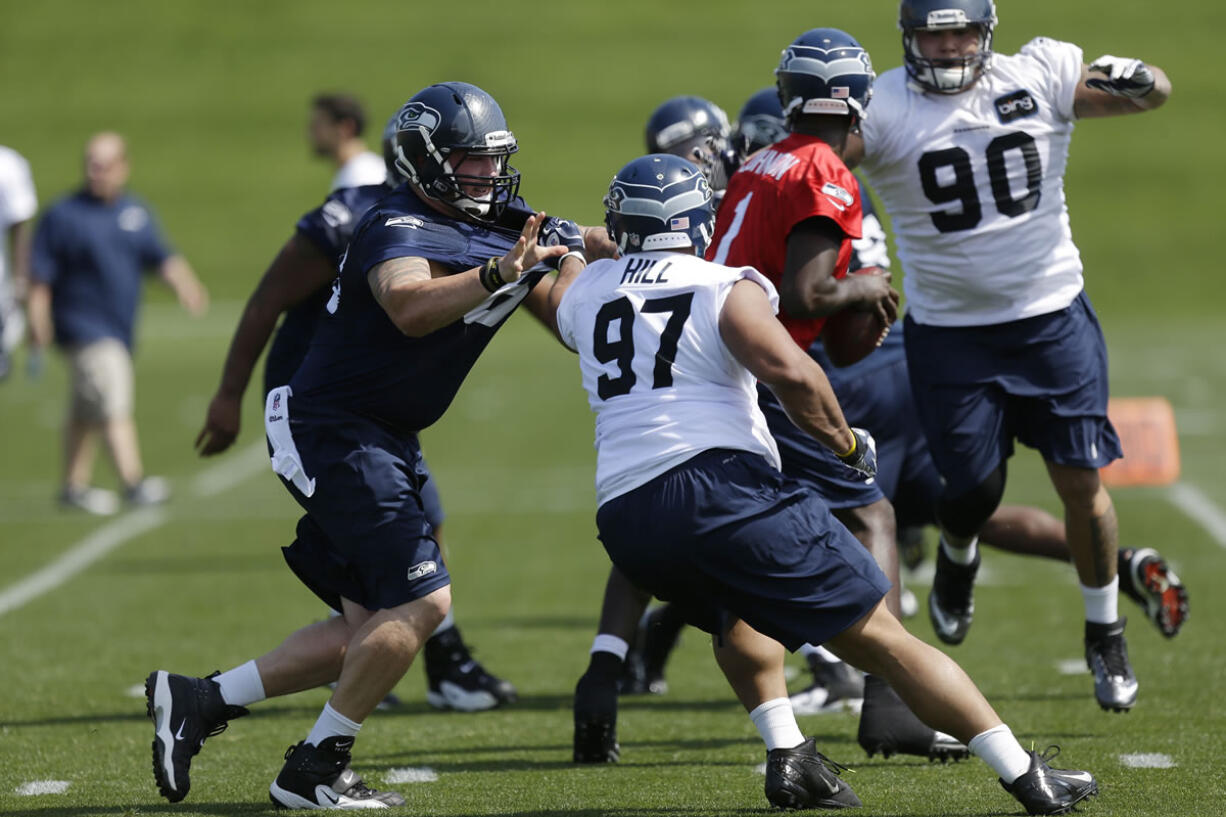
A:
<point x="946" y="76"/>
<point x="441" y="126"/>
<point x="659" y="202"/>
<point x="760" y="122"/>
<point x="825" y="71"/>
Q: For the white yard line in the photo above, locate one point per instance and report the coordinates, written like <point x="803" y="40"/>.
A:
<point x="227" y="474"/>
<point x="1193" y="502"/>
<point x="1148" y="760"/>
<point x="36" y="787"/>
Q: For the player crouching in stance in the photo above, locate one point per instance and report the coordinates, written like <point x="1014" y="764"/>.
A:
<point x="432" y="272"/>
<point x="693" y="507"/>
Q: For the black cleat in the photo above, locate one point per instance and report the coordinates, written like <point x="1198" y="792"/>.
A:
<point x="185" y="711"/>
<point x="596" y="719"/>
<point x="802" y="777"/>
<point x="1044" y="790"/>
<point x="951" y="604"/>
<point x="317" y="777"/>
<point x="1147" y="579"/>
<point x="837" y="687"/>
<point x="455" y="680"/>
<point x="888" y="726"/>
<point x="1115" y="685"/>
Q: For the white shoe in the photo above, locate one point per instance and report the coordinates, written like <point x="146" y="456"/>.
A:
<point x="98" y="501"/>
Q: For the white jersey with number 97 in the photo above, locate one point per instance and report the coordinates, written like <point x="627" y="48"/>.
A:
<point x="662" y="383"/>
<point x="974" y="186"/>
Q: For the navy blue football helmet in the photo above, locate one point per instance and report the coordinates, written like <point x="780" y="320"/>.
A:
<point x="946" y="76"/>
<point x="760" y="122"/>
<point x="455" y="117"/>
<point x="683" y="123"/>
<point x="825" y="71"/>
<point x="659" y="202"/>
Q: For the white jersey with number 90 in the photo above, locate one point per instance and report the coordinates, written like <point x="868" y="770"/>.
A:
<point x="974" y="186"/>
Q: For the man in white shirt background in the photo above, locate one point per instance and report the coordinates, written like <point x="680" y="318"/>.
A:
<point x="335" y="133"/>
<point x="18" y="203"/>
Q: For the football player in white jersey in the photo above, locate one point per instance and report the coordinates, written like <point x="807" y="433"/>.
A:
<point x="18" y="203"/>
<point x="694" y="509"/>
<point x="967" y="151"/>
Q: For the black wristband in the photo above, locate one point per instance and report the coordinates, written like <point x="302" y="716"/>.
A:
<point x="490" y="276"/>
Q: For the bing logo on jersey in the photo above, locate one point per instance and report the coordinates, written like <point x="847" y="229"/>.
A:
<point x="1016" y="105"/>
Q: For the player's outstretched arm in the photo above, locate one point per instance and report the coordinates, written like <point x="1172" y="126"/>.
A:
<point x="421" y="297"/>
<point x="299" y="269"/>
<point x="760" y="343"/>
<point x="1113" y="86"/>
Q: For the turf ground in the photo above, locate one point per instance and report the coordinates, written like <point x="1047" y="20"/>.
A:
<point x="213" y="99"/>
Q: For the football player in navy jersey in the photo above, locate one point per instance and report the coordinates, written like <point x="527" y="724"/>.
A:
<point x="430" y="275"/>
<point x="298" y="284"/>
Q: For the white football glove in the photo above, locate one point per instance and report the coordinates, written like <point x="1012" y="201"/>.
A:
<point x="1125" y="76"/>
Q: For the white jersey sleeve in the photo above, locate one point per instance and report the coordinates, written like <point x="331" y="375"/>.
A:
<point x="659" y="378"/>
<point x="364" y="169"/>
<point x="18" y="201"/>
<point x="974" y="186"/>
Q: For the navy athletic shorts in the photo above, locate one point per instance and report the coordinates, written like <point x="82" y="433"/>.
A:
<point x="365" y="536"/>
<point x="875" y="394"/>
<point x="725" y="535"/>
<point x="1040" y="380"/>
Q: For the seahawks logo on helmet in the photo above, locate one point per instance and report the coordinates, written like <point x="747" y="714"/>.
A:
<point x="418" y="115"/>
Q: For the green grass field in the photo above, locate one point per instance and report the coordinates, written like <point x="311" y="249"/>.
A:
<point x="213" y="99"/>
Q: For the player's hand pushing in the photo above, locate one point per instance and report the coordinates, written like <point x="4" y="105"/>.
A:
<point x="527" y="253"/>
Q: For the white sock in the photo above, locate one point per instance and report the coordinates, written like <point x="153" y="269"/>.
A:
<point x="446" y="624"/>
<point x="611" y="644"/>
<point x="819" y="653"/>
<point x="960" y="556"/>
<point x="1102" y="603"/>
<point x="777" y="724"/>
<point x="999" y="749"/>
<point x="331" y="724"/>
<point x="242" y="685"/>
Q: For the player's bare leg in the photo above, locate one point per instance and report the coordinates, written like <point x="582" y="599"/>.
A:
<point x="1026" y="531"/>
<point x="1093" y="538"/>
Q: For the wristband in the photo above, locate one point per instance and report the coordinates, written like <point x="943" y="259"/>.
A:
<point x="572" y="254"/>
<point x="849" y="451"/>
<point x="490" y="276"/>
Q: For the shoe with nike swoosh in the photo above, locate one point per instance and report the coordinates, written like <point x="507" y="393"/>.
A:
<point x="185" y="711"/>
<point x="456" y="680"/>
<point x="1044" y="790"/>
<point x="318" y="777"/>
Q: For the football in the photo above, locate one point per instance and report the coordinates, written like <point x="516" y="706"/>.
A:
<point x="851" y="334"/>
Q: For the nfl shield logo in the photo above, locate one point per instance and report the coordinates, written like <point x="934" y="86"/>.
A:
<point x="276" y="401"/>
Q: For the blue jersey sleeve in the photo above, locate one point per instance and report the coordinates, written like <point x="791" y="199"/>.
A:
<point x="152" y="246"/>
<point x="330" y="226"/>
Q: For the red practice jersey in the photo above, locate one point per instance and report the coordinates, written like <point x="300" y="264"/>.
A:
<point x="777" y="188"/>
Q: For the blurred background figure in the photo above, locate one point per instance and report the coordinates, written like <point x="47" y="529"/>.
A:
<point x="335" y="131"/>
<point x="18" y="203"/>
<point x="89" y="252"/>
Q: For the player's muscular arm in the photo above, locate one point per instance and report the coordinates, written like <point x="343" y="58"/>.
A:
<point x="809" y="289"/>
<point x="1100" y="94"/>
<point x="544" y="299"/>
<point x="760" y="343"/>
<point x="299" y="269"/>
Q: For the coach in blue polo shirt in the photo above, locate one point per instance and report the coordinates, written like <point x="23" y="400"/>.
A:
<point x="90" y="251"/>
